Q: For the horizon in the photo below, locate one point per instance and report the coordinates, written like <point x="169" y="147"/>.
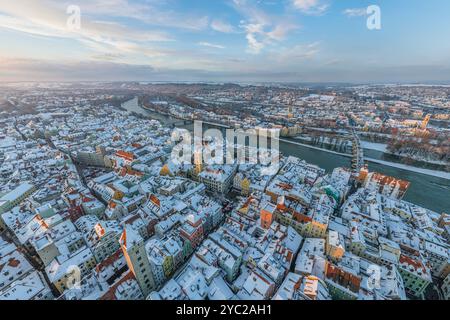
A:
<point x="241" y="83"/>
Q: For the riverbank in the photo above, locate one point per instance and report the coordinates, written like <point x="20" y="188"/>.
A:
<point x="427" y="189"/>
<point x="316" y="148"/>
<point x="421" y="163"/>
<point x="382" y="147"/>
<point x="433" y="173"/>
<point x="365" y="144"/>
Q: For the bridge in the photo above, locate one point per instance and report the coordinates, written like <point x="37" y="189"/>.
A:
<point x="181" y="122"/>
<point x="357" y="154"/>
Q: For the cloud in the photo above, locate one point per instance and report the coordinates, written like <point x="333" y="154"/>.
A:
<point x="312" y="7"/>
<point x="44" y="19"/>
<point x="108" y="56"/>
<point x="150" y="12"/>
<point x="298" y="53"/>
<point x="221" y="26"/>
<point x="261" y="28"/>
<point x="259" y="36"/>
<point x="211" y="45"/>
<point x="254" y="46"/>
<point x="355" y="12"/>
<point x="281" y="30"/>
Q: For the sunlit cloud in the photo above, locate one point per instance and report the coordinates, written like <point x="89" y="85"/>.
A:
<point x="222" y="26"/>
<point x="314" y="7"/>
<point x="211" y="45"/>
<point x="261" y="28"/>
<point x="148" y="12"/>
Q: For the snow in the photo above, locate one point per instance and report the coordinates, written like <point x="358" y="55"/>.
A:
<point x="17" y="192"/>
<point x="26" y="288"/>
<point x="374" y="146"/>
<point x="434" y="173"/>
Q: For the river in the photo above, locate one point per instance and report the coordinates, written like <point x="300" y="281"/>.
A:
<point x="428" y="191"/>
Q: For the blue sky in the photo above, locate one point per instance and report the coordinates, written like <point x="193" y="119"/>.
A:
<point x="225" y="40"/>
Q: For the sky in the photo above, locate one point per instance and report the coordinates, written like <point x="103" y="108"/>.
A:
<point x="224" y="40"/>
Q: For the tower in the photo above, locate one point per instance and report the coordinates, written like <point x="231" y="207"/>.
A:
<point x="363" y="174"/>
<point x="267" y="215"/>
<point x="133" y="248"/>
<point x="290" y="110"/>
<point x="425" y="122"/>
<point x="198" y="163"/>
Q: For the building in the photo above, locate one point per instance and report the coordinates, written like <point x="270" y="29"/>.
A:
<point x="438" y="256"/>
<point x="65" y="272"/>
<point x="18" y="279"/>
<point x="334" y="247"/>
<point x="133" y="248"/>
<point x="161" y="262"/>
<point x="192" y="230"/>
<point x="14" y="198"/>
<point x="386" y="185"/>
<point x="218" y="178"/>
<point x="416" y="276"/>
<point x="267" y="215"/>
<point x="90" y="158"/>
<point x="446" y="288"/>
<point x="32" y="286"/>
<point x="342" y="283"/>
<point x="93" y="206"/>
<point x="103" y="239"/>
<point x="257" y="287"/>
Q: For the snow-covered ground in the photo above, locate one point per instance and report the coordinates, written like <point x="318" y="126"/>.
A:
<point x="382" y="147"/>
<point x="434" y="173"/>
<point x="374" y="146"/>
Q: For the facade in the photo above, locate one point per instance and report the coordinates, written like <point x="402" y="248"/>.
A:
<point x="133" y="248"/>
<point x="334" y="246"/>
<point x="219" y="178"/>
<point x="446" y="288"/>
<point x="267" y="215"/>
<point x="103" y="239"/>
<point x="342" y="284"/>
<point x="416" y="276"/>
<point x="14" y="198"/>
<point x="65" y="274"/>
<point x="192" y="230"/>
